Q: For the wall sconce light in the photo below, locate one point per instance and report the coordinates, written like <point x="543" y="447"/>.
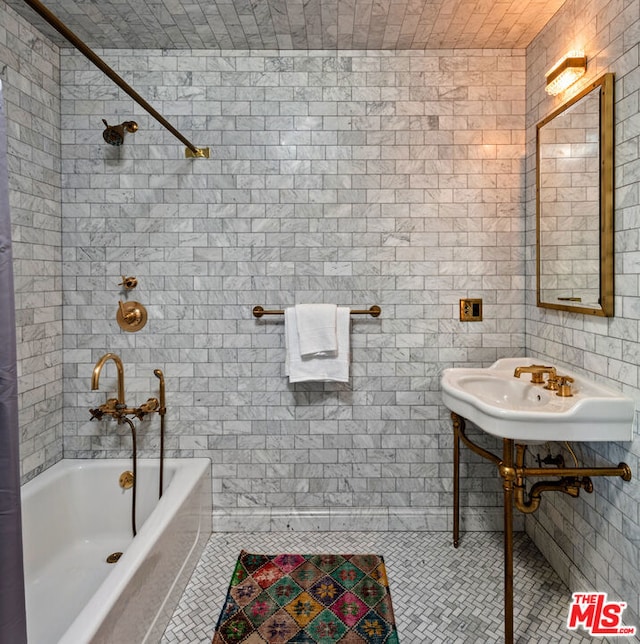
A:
<point x="565" y="72"/>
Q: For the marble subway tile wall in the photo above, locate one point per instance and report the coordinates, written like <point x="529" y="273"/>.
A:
<point x="593" y="541"/>
<point x="30" y="74"/>
<point x="357" y="178"/>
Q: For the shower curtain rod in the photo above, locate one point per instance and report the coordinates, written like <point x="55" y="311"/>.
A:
<point x="58" y="25"/>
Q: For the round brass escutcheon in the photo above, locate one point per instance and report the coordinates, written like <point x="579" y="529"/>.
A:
<point x="126" y="480"/>
<point x="131" y="316"/>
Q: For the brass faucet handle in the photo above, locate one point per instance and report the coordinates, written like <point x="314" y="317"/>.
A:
<point x="128" y="282"/>
<point x="109" y="408"/>
<point x="145" y="408"/>
<point x="152" y="404"/>
<point x="564" y="386"/>
<point x="552" y="383"/>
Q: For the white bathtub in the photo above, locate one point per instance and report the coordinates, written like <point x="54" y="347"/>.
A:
<point x="75" y="514"/>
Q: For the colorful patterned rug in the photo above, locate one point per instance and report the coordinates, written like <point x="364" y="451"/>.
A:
<point x="307" y="599"/>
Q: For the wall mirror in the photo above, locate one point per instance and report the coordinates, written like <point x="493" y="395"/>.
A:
<point x="574" y="203"/>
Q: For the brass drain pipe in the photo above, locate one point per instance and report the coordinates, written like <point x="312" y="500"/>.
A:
<point x="570" y="485"/>
<point x="84" y="49"/>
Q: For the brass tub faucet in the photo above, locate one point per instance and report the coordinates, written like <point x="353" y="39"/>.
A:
<point x="117" y="407"/>
<point x="95" y="378"/>
<point x="537" y="372"/>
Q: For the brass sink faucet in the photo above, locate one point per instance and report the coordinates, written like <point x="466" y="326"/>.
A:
<point x="537" y="372"/>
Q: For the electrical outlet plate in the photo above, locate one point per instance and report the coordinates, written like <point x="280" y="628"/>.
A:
<point x="471" y="310"/>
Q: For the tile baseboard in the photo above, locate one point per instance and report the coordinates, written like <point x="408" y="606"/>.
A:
<point x="279" y="519"/>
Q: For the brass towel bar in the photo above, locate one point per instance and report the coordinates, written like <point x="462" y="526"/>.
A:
<point x="374" y="311"/>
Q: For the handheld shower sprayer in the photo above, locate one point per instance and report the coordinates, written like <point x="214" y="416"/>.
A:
<point x="114" y="134"/>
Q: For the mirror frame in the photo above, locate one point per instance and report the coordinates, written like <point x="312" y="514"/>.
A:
<point x="605" y="84"/>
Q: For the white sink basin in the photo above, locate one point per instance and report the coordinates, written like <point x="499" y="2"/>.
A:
<point x="509" y="407"/>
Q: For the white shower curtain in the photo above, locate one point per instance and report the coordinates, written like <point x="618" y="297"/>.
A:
<point x="12" y="611"/>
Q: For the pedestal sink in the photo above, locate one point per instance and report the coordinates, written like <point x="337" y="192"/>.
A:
<point x="520" y="412"/>
<point x="509" y="407"/>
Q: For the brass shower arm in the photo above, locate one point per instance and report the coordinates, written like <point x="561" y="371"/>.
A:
<point x="84" y="49"/>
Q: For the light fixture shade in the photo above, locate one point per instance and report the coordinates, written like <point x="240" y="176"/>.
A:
<point x="566" y="72"/>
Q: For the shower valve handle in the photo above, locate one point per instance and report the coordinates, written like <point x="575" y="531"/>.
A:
<point x="131" y="316"/>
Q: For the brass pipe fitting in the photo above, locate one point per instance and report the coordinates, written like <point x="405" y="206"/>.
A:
<point x="572" y="480"/>
<point x="508" y="473"/>
<point x="569" y="485"/>
<point x="623" y="471"/>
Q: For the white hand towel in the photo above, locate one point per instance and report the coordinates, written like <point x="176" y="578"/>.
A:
<point x="317" y="329"/>
<point x="322" y="367"/>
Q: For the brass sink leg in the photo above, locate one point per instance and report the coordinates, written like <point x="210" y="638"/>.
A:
<point x="507" y="471"/>
<point x="458" y="424"/>
<point x="514" y="473"/>
<point x="459" y="435"/>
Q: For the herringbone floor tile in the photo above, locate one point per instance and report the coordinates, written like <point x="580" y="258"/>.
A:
<point x="440" y="595"/>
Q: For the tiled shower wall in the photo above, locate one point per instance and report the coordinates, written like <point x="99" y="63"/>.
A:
<point x="594" y="541"/>
<point x="30" y="74"/>
<point x="358" y="178"/>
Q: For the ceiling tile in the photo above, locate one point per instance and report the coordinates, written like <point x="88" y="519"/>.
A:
<point x="297" y="24"/>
